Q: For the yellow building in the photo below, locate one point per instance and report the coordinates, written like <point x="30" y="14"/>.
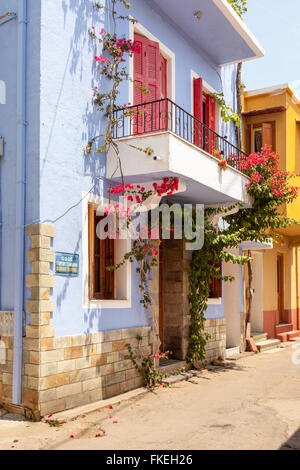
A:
<point x="271" y="116"/>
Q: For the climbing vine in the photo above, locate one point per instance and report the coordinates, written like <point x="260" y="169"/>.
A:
<point x="269" y="187"/>
<point x="227" y="113"/>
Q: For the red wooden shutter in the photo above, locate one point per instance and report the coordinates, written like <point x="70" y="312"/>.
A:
<point x="153" y="84"/>
<point x="139" y="76"/>
<point x="198" y="110"/>
<point x="267" y="134"/>
<point x="147" y="72"/>
<point x="211" y="113"/>
<point x="163" y="93"/>
<point x="163" y="77"/>
<point x="139" y="66"/>
<point x="211" y="122"/>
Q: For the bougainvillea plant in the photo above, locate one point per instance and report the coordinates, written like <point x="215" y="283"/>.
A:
<point x="144" y="249"/>
<point x="269" y="188"/>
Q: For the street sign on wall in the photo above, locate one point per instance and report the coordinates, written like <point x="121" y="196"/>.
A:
<point x="66" y="264"/>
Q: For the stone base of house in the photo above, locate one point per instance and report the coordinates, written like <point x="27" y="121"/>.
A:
<point x="62" y="373"/>
<point x="78" y="370"/>
<point x="216" y="345"/>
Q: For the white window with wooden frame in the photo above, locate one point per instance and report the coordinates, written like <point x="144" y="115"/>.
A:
<point x="103" y="288"/>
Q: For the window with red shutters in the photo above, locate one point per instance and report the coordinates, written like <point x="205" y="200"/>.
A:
<point x="147" y="71"/>
<point x="203" y="137"/>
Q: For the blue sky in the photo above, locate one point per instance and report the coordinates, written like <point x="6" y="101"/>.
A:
<point x="276" y="25"/>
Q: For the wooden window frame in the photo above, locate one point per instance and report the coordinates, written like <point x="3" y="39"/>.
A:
<point x="106" y="277"/>
<point x="216" y="287"/>
<point x="260" y="125"/>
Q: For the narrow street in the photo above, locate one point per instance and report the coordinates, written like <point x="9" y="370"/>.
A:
<point x="253" y="404"/>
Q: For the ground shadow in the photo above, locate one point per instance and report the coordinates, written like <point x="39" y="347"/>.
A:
<point x="293" y="443"/>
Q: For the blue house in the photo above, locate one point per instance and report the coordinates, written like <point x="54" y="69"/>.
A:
<point x="64" y="323"/>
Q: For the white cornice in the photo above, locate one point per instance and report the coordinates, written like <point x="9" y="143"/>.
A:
<point x="241" y="28"/>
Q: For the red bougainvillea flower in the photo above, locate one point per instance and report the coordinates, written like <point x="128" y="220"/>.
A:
<point x="110" y="407"/>
<point x="267" y="181"/>
<point x="72" y="437"/>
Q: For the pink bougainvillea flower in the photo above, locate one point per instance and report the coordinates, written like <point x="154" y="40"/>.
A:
<point x="110" y="407"/>
<point x="111" y="417"/>
<point x="115" y="422"/>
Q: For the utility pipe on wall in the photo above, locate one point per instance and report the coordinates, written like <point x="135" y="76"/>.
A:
<point x="20" y="201"/>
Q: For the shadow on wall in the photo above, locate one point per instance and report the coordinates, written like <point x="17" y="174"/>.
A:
<point x="93" y="125"/>
<point x="293" y="443"/>
<point x="83" y="17"/>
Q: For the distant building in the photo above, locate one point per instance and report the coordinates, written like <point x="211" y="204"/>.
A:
<point x="271" y="116"/>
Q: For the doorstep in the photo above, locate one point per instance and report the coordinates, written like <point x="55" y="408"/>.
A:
<point x="167" y="366"/>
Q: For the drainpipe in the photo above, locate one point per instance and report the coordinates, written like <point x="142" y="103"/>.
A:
<point x="20" y="202"/>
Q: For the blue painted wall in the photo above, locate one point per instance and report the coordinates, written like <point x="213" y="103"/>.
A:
<point x="8" y="129"/>
<point x="61" y="119"/>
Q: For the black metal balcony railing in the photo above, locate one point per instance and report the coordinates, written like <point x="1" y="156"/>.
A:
<point x="165" y="115"/>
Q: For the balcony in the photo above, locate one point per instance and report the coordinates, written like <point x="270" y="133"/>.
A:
<point x="160" y="138"/>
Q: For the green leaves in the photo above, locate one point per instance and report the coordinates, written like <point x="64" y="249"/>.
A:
<point x="227" y="113"/>
<point x="239" y="6"/>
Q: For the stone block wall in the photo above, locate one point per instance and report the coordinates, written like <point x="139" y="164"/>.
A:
<point x="87" y="368"/>
<point x="175" y="298"/>
<point x="216" y="345"/>
<point x="6" y="354"/>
